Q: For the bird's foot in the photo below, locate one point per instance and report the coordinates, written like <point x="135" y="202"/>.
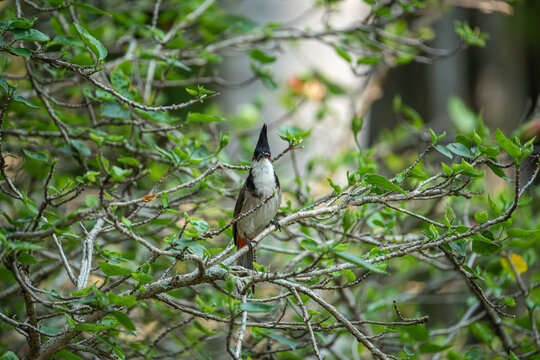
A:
<point x="276" y="224"/>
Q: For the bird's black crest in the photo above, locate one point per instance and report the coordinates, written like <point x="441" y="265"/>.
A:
<point x="262" y="148"/>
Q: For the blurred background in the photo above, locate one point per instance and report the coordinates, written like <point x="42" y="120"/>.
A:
<point x="501" y="81"/>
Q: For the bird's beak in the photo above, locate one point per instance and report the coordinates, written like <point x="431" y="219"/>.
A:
<point x="262" y="155"/>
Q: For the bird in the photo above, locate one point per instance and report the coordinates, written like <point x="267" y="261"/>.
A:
<point x="261" y="186"/>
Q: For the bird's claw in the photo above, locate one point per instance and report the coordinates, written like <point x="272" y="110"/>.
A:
<point x="276" y="224"/>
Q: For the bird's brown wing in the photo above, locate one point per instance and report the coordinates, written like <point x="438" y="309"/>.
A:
<point x="238" y="209"/>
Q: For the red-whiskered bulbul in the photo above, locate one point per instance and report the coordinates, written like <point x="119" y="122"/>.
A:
<point x="261" y="183"/>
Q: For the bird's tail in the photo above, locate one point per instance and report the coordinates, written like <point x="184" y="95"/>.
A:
<point x="247" y="259"/>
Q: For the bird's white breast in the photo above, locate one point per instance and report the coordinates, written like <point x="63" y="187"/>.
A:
<point x="263" y="177"/>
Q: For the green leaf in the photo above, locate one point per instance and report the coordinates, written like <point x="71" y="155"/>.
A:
<point x="464" y="140"/>
<point x="512" y="149"/>
<point x="382" y="182"/>
<point x="463" y="118"/>
<point x="224" y="139"/>
<point x="40" y="156"/>
<point x="128" y="301"/>
<point x="30" y="35"/>
<point x="165" y="200"/>
<point x="113" y="270"/>
<point x="349" y="275"/>
<point x="431" y="232"/>
<point x="20" y="52"/>
<point x="20" y="23"/>
<point x="192" y="92"/>
<point x="407" y="351"/>
<point x="484" y="246"/>
<point x="480" y="216"/>
<point x="522" y="233"/>
<point x="93" y="327"/>
<point x="417" y="332"/>
<point x="413" y="115"/>
<point x="309" y="244"/>
<point x="97" y="139"/>
<point x="9" y="356"/>
<point x="431" y="348"/>
<point x="204" y="118"/>
<point x="293" y="135"/>
<point x="342" y="53"/>
<point x="475" y="354"/>
<point x="20" y="99"/>
<point x="202" y="328"/>
<point x="6" y="88"/>
<point x="494" y="207"/>
<point x="489" y="151"/>
<point x="119" y="174"/>
<point x="443" y="150"/>
<point x="287" y="341"/>
<point x="376" y="252"/>
<point x="469" y="170"/>
<point x="23" y="245"/>
<point x="94" y="44"/>
<point x="226" y="268"/>
<point x="81" y="147"/>
<point x="158" y="116"/>
<point x="509" y="301"/>
<point x="142" y="278"/>
<point x="114" y="110"/>
<point x="261" y="56"/>
<point x="121" y="82"/>
<point x="460" y="149"/>
<point x="26" y="258"/>
<point x="481" y="332"/>
<point x="447" y="169"/>
<point x="89" y="8"/>
<point x="199" y="224"/>
<point x="258" y="307"/>
<point x="433" y="136"/>
<point x="368" y="60"/>
<point x="84" y="291"/>
<point x="194" y="246"/>
<point x="160" y="34"/>
<point x="129" y="161"/>
<point x="477" y="138"/>
<point x="124" y="320"/>
<point x="472" y="37"/>
<point x="119" y="352"/>
<point x="357" y="261"/>
<point x="499" y="172"/>
<point x="203" y="306"/>
<point x="336" y="187"/>
<point x="349" y="218"/>
<point x="405" y="59"/>
<point x="66" y="355"/>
